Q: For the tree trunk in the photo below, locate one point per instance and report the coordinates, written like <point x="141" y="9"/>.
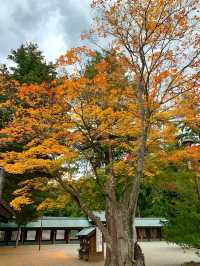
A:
<point x="111" y="258"/>
<point x="122" y="249"/>
<point x="138" y="255"/>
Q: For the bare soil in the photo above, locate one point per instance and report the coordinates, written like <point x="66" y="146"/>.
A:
<point x="156" y="254"/>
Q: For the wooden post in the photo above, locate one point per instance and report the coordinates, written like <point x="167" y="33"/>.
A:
<point x="18" y="236"/>
<point x="40" y="235"/>
<point x="6" y="237"/>
<point x="22" y="236"/>
<point x="53" y="236"/>
<point x="67" y="236"/>
<point x="148" y="234"/>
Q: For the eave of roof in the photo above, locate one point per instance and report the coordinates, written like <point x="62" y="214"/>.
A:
<point x="86" y="232"/>
<point x="52" y="222"/>
<point x="139" y="221"/>
<point x="73" y="222"/>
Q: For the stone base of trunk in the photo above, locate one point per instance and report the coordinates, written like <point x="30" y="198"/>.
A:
<point x="138" y="255"/>
<point x="138" y="258"/>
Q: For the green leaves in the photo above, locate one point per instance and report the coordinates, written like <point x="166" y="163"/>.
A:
<point x="31" y="67"/>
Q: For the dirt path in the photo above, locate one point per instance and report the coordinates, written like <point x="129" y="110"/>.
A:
<point x="162" y="254"/>
<point x="157" y="254"/>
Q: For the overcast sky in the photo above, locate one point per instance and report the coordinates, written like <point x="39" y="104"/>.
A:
<point x="55" y="25"/>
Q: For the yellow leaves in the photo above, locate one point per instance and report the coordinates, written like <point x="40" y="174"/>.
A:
<point x="24" y="195"/>
<point x="169" y="133"/>
<point x="151" y="25"/>
<point x="193" y="153"/>
<point x="49" y="146"/>
<point x="102" y="66"/>
<point x="46" y="157"/>
<point x="54" y="203"/>
<point x="181" y="19"/>
<point x="19" y="202"/>
<point x="169" y="56"/>
<point x="148" y="173"/>
<point x="176" y="156"/>
<point x="27" y="165"/>
<point x="34" y="93"/>
<point x="170" y="2"/>
<point x="189" y="111"/>
<point x="161" y="76"/>
<point x="22" y="166"/>
<point x="48" y="204"/>
<point x="75" y="55"/>
<point x="120" y="168"/>
<point x="38" y="183"/>
<point x="103" y="110"/>
<point x="100" y="81"/>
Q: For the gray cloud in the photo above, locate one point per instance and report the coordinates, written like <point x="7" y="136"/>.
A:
<point x="55" y="25"/>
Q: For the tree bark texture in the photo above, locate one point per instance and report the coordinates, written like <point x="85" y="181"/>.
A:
<point x="122" y="249"/>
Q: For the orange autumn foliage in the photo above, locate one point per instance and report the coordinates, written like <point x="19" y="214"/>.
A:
<point x="141" y="92"/>
<point x="52" y="120"/>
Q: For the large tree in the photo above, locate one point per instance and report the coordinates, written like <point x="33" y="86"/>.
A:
<point x="182" y="227"/>
<point x="160" y="43"/>
<point x="183" y="221"/>
<point x="7" y="92"/>
<point x="122" y="120"/>
<point x="31" y="66"/>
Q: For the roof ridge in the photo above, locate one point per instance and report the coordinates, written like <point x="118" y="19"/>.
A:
<point x="61" y="218"/>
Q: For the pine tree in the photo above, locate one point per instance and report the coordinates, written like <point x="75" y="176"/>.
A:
<point x="31" y="67"/>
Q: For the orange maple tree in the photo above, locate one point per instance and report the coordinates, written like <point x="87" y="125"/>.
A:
<point x="123" y="119"/>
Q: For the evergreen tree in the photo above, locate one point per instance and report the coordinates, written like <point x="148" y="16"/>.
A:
<point x="31" y="67"/>
<point x="183" y="223"/>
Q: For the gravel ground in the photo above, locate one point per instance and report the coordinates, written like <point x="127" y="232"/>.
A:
<point x="156" y="253"/>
